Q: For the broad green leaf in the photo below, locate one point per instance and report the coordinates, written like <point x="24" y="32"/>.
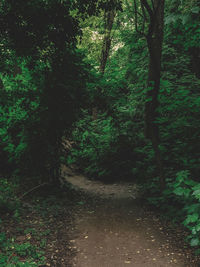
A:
<point x="191" y="218"/>
<point x="195" y="10"/>
<point x="194" y="242"/>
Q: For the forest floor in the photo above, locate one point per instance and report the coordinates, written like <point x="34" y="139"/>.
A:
<point x="91" y="224"/>
<point x="114" y="230"/>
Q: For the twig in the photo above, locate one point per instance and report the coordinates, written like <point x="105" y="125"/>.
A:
<point x="153" y="6"/>
<point x="36" y="187"/>
<point x="148" y="8"/>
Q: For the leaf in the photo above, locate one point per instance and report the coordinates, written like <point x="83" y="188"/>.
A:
<point x="193" y="208"/>
<point x="195" y="10"/>
<point x="171" y="18"/>
<point x="194" y="242"/>
<point x="194" y="231"/>
<point x="198" y="227"/>
<point x="190" y="182"/>
<point x="80" y="203"/>
<point x="196" y="193"/>
<point x="191" y="218"/>
<point x="185" y="19"/>
<point x="196" y="187"/>
<point x="179" y="191"/>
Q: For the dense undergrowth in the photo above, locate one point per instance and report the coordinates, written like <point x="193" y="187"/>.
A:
<point x="179" y="203"/>
<point x="35" y="224"/>
<point x="16" y="251"/>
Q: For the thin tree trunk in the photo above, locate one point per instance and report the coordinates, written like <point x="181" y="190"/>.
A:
<point x="195" y="60"/>
<point x="154" y="42"/>
<point x="105" y="51"/>
<point x="1" y="84"/>
<point x="109" y="20"/>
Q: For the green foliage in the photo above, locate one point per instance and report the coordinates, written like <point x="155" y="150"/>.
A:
<point x="188" y="193"/>
<point x="42" y="83"/>
<point x="18" y="112"/>
<point x="13" y="254"/>
<point x="114" y="145"/>
<point x="8" y="199"/>
<point x="181" y="197"/>
<point x="93" y="145"/>
<point x="49" y="88"/>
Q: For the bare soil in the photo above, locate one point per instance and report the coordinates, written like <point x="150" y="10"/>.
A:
<point x="112" y="229"/>
<point x="92" y="224"/>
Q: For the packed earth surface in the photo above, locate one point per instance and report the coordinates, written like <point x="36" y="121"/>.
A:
<point x="88" y="223"/>
<point x="113" y="229"/>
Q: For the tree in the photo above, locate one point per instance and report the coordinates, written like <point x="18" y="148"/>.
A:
<point x="109" y="20"/>
<point x="45" y="33"/>
<point x="152" y="28"/>
<point x="109" y="17"/>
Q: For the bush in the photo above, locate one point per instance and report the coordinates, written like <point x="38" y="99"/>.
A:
<point x="8" y="200"/>
<point x="180" y="201"/>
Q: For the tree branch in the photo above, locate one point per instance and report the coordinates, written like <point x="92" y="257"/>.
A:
<point x="143" y="12"/>
<point x="36" y="187"/>
<point x="147" y="6"/>
<point x="153" y="6"/>
<point x="136" y="19"/>
<point x="136" y="15"/>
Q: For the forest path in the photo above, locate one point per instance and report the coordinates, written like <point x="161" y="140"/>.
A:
<point x="113" y="230"/>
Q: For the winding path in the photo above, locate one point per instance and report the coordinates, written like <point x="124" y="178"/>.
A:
<point x="113" y="230"/>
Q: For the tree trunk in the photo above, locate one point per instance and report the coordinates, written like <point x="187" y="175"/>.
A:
<point x="195" y="60"/>
<point x="1" y="84"/>
<point x="154" y="42"/>
<point x="109" y="20"/>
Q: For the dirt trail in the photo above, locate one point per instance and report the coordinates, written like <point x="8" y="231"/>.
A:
<point x="113" y="230"/>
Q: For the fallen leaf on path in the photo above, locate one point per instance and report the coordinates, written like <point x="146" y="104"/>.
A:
<point x="80" y="203"/>
<point x="21" y="238"/>
<point x="28" y="236"/>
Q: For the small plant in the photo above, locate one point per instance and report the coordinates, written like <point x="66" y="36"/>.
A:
<point x="17" y="255"/>
<point x="14" y="254"/>
<point x="8" y="200"/>
<point x="181" y="197"/>
<point x="189" y="191"/>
